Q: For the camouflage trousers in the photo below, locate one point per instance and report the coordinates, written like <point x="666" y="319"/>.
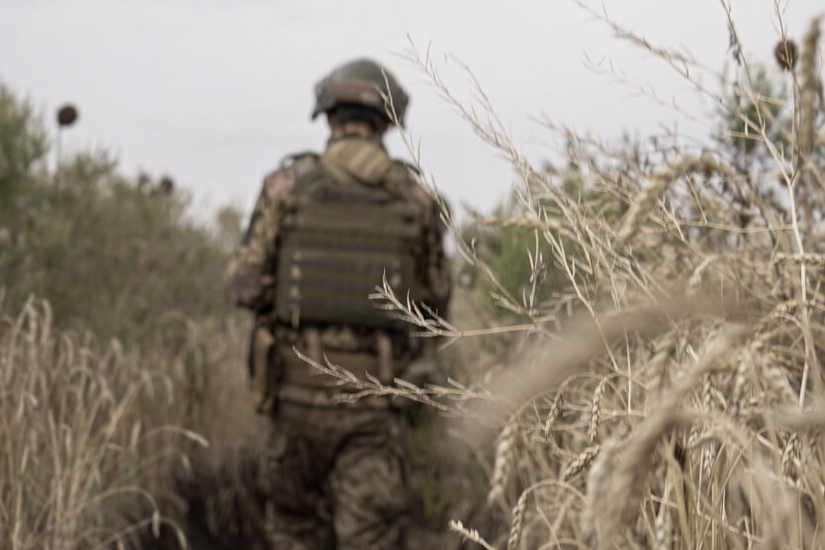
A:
<point x="336" y="478"/>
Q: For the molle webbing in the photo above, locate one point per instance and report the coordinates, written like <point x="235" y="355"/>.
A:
<point x="337" y="244"/>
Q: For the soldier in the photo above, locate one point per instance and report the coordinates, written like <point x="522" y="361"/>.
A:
<point x="325" y="231"/>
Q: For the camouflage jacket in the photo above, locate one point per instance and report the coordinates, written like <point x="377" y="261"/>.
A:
<point x="349" y="161"/>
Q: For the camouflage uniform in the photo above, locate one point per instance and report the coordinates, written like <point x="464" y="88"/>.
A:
<point x="335" y="473"/>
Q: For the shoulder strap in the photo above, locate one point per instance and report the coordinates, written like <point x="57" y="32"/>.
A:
<point x="411" y="168"/>
<point x="308" y="170"/>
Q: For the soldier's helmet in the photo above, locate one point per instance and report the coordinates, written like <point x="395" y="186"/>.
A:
<point x="360" y="82"/>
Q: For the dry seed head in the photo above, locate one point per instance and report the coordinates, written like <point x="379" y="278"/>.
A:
<point x="707" y="392"/>
<point x="808" y="259"/>
<point x="595" y="413"/>
<point x="525" y="223"/>
<point x="67" y="115"/>
<point x="739" y="382"/>
<point x="695" y="280"/>
<point x="708" y="457"/>
<point x="791" y="463"/>
<point x="598" y="485"/>
<point x="694" y="436"/>
<point x="645" y="201"/>
<point x="555" y="411"/>
<point x="661" y="350"/>
<point x="753" y="407"/>
<point x="782" y="310"/>
<point x="504" y="457"/>
<point x="166" y="185"/>
<point x="709" y="449"/>
<point x="657" y="366"/>
<point x="469" y="534"/>
<point x="517" y="523"/>
<point x="580" y="463"/>
<point x="625" y="483"/>
<point x="786" y="53"/>
<point x="776" y="383"/>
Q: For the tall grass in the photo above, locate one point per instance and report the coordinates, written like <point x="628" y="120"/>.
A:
<point x="665" y="390"/>
<point x="670" y="393"/>
<point x="128" y="361"/>
<point x="92" y="433"/>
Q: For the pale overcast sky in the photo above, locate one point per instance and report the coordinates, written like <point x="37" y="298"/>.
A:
<point x="215" y="92"/>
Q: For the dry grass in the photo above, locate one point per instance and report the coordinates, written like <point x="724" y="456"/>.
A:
<point x="670" y="395"/>
<point x="92" y="434"/>
<point x="680" y="405"/>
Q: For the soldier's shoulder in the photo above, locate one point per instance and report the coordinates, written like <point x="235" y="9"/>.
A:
<point x="421" y="196"/>
<point x="299" y="159"/>
<point x="279" y="183"/>
<point x="418" y="193"/>
<point x="411" y="168"/>
<point x="404" y="173"/>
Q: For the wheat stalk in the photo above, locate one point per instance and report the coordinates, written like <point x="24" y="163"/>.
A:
<point x="469" y="534"/>
<point x="517" y="522"/>
<point x="595" y="413"/>
<point x="581" y="462"/>
<point x="502" y="466"/>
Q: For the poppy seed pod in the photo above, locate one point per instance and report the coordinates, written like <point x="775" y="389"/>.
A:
<point x="166" y="186"/>
<point x="67" y="115"/>
<point x="786" y="54"/>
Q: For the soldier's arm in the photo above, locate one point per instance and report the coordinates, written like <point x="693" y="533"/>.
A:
<point x="438" y="265"/>
<point x="250" y="273"/>
<point x="434" y="270"/>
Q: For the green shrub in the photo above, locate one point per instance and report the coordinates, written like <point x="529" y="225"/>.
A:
<point x="109" y="254"/>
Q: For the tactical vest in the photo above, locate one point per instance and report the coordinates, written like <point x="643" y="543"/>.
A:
<point x="336" y="244"/>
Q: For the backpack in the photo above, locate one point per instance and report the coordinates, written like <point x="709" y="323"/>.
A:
<point x="336" y="244"/>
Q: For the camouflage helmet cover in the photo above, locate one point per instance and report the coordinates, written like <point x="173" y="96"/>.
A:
<point x="360" y="82"/>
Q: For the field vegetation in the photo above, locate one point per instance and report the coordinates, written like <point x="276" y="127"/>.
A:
<point x="634" y="356"/>
<point x="115" y="332"/>
<point x="663" y="388"/>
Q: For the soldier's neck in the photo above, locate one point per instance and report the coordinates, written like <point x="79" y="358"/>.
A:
<point x="355" y="129"/>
